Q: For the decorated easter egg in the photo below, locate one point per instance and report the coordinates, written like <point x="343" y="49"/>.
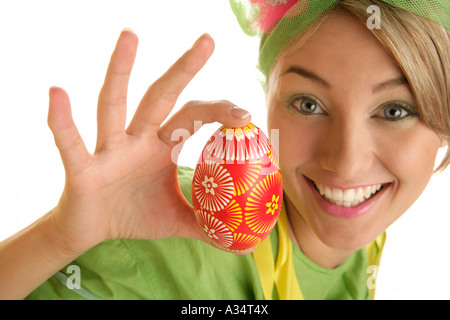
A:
<point x="237" y="188"/>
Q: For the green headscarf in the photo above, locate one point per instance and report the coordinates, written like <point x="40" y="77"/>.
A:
<point x="277" y="22"/>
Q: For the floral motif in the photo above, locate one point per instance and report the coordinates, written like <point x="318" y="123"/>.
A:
<point x="237" y="191"/>
<point x="244" y="241"/>
<point x="258" y="147"/>
<point x="238" y="144"/>
<point x="213" y="186"/>
<point x="244" y="177"/>
<point x="215" y="229"/>
<point x="209" y="185"/>
<point x="265" y="192"/>
<point x="231" y="215"/>
<point x="272" y="206"/>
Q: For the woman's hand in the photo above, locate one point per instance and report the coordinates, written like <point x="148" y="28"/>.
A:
<point x="128" y="188"/>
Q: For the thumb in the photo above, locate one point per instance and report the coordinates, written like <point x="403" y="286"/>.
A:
<point x="71" y="147"/>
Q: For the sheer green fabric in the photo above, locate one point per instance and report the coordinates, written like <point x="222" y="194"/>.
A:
<point x="277" y="22"/>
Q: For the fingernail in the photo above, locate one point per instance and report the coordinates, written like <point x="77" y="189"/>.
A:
<point x="206" y="36"/>
<point x="239" y="113"/>
<point x="127" y="29"/>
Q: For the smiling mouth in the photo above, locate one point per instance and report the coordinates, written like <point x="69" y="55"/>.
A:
<point x="348" y="197"/>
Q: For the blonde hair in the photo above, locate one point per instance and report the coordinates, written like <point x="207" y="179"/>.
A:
<point x="420" y="47"/>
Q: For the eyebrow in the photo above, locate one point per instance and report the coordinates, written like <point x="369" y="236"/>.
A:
<point x="309" y="75"/>
<point x="389" y="84"/>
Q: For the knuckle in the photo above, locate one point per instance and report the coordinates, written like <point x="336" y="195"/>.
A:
<point x="224" y="102"/>
<point x="67" y="140"/>
<point x="158" y="91"/>
<point x="191" y="104"/>
<point x="114" y="101"/>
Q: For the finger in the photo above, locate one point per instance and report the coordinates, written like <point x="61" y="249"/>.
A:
<point x="196" y="113"/>
<point x="73" y="151"/>
<point x="160" y="98"/>
<point x="112" y="102"/>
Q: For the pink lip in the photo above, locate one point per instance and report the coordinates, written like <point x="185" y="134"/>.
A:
<point x="345" y="212"/>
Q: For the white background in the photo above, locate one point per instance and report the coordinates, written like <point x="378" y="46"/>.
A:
<point x="68" y="44"/>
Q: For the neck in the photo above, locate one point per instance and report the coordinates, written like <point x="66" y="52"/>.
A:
<point x="308" y="242"/>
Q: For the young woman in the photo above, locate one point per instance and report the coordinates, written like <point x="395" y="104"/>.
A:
<point x="361" y="114"/>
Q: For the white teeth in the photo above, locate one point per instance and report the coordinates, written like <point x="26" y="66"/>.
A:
<point x="336" y="194"/>
<point x="347" y="197"/>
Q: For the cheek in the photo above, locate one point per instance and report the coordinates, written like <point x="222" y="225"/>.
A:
<point x="410" y="157"/>
<point x="297" y="140"/>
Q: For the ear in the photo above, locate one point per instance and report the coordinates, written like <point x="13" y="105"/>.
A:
<point x="444" y="143"/>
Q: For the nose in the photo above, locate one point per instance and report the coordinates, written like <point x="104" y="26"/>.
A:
<point x="346" y="148"/>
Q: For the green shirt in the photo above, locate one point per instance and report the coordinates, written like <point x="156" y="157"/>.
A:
<point x="190" y="269"/>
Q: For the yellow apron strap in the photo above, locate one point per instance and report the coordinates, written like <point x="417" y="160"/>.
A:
<point x="283" y="273"/>
<point x="374" y="250"/>
<point x="264" y="264"/>
<point x="285" y="278"/>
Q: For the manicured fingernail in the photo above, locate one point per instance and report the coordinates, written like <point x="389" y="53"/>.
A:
<point x="127" y="29"/>
<point x="239" y="113"/>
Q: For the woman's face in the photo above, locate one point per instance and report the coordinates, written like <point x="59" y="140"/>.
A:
<point x="353" y="152"/>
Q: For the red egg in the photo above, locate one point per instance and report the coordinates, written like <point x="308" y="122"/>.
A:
<point x="237" y="189"/>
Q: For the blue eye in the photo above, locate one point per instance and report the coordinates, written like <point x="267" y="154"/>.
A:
<point x="306" y="105"/>
<point x="395" y="111"/>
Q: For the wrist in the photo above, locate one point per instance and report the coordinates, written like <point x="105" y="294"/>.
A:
<point x="31" y="256"/>
<point x="63" y="237"/>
